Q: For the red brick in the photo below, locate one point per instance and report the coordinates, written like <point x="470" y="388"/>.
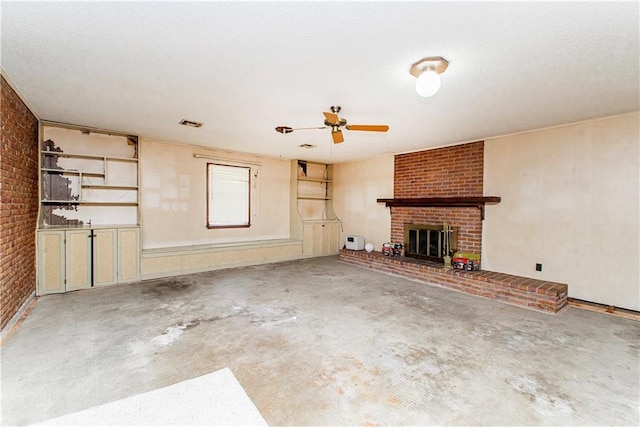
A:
<point x="18" y="202"/>
<point x="486" y="284"/>
<point x="443" y="172"/>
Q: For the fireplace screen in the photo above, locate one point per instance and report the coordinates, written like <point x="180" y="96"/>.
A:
<point x="428" y="241"/>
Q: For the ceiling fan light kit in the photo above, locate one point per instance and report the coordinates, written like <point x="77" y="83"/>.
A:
<point x="335" y="123"/>
<point x="427" y="72"/>
<point x="284" y="129"/>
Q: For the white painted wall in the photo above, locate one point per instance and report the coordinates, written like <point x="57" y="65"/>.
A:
<point x="356" y="187"/>
<point x="569" y="201"/>
<point x="173" y="197"/>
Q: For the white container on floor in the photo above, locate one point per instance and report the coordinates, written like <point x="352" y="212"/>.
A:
<point x="355" y="243"/>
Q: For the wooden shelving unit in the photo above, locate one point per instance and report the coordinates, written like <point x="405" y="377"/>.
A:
<point x="88" y="230"/>
<point x="88" y="179"/>
<point x="319" y="228"/>
<point x="314" y="182"/>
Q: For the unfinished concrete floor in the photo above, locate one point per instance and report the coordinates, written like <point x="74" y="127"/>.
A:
<point x="319" y="342"/>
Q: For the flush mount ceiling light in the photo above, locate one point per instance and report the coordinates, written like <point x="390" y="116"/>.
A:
<point x="427" y="71"/>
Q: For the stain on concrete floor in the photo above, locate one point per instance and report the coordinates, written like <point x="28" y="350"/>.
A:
<point x="319" y="342"/>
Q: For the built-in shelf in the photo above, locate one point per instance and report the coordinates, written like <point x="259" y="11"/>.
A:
<point x="88" y="156"/>
<point x="95" y="175"/>
<point x="110" y="187"/>
<point x="442" y="202"/>
<point x="314" y="180"/>
<point x="61" y="202"/>
<point x="314" y="184"/>
<point x="92" y="203"/>
<point x="109" y="203"/>
<point x="74" y="172"/>
<point x="71" y="172"/>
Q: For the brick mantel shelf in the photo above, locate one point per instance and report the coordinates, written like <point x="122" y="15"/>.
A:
<point x="442" y="202"/>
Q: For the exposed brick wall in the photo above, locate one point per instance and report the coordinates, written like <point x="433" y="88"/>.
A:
<point x="549" y="297"/>
<point x="443" y="172"/>
<point x="18" y="202"/>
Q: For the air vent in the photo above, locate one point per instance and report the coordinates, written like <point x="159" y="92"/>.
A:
<point x="190" y="123"/>
<point x="307" y="146"/>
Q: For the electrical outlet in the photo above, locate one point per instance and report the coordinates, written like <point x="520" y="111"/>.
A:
<point x="538" y="267"/>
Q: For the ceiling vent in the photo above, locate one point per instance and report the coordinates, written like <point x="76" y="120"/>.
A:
<point x="190" y="123"/>
<point x="307" y="146"/>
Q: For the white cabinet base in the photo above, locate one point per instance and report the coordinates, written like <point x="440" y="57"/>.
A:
<point x="320" y="238"/>
<point x="69" y="260"/>
<point x="128" y="254"/>
<point x="51" y="265"/>
<point x="105" y="246"/>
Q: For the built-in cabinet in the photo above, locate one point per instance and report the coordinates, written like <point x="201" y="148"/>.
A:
<point x="128" y="254"/>
<point x="64" y="259"/>
<point x="320" y="238"/>
<point x="74" y="259"/>
<point x="88" y="230"/>
<point x="320" y="227"/>
<point x="105" y="255"/>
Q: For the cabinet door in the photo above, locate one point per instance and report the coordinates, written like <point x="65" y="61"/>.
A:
<point x="333" y="234"/>
<point x="307" y="242"/>
<point x="51" y="262"/>
<point x="321" y="238"/>
<point x="330" y="236"/>
<point x="313" y="235"/>
<point x="326" y="238"/>
<point x="128" y="254"/>
<point x="78" y="259"/>
<point x="104" y="257"/>
<point x="318" y="239"/>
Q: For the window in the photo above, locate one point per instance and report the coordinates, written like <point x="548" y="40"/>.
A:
<point x="227" y="196"/>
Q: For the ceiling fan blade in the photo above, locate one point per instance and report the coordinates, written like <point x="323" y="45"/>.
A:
<point x="371" y="128"/>
<point x="337" y="137"/>
<point x="331" y="118"/>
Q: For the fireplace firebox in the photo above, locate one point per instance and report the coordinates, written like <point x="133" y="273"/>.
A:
<point x="428" y="241"/>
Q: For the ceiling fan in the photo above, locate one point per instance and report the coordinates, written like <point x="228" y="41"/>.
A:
<point x="331" y="120"/>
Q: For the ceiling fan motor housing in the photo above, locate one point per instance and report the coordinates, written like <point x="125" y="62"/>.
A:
<point x="341" y="122"/>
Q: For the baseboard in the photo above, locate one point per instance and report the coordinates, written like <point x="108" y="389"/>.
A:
<point x="603" y="308"/>
<point x="13" y="323"/>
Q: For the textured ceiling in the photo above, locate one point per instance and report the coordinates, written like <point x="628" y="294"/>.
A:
<point x="244" y="68"/>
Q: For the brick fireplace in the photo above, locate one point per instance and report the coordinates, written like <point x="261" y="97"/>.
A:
<point x="445" y="185"/>
<point x="445" y="172"/>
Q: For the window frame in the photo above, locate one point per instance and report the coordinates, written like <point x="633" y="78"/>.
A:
<point x="209" y="182"/>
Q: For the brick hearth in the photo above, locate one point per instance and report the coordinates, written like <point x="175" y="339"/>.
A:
<point x="549" y="297"/>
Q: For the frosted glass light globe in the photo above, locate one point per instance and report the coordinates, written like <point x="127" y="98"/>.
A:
<point x="428" y="83"/>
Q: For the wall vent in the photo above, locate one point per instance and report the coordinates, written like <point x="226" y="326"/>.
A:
<point x="191" y="123"/>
